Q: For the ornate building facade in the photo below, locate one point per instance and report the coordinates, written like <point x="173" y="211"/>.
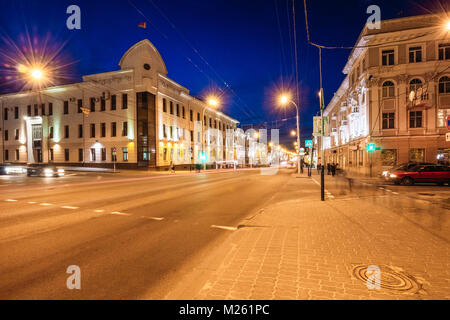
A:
<point x="396" y="95"/>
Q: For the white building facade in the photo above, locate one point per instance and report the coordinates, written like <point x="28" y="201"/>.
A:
<point x="396" y="95"/>
<point x="136" y="117"/>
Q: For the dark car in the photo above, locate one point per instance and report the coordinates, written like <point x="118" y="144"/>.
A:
<point x="439" y="174"/>
<point x="404" y="167"/>
<point x="44" y="171"/>
<point x="8" y="169"/>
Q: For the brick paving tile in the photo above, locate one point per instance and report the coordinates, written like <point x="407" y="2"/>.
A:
<point x="308" y="249"/>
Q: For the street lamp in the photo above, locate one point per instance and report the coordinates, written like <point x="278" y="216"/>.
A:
<point x="285" y="99"/>
<point x="212" y="102"/>
<point x="448" y="26"/>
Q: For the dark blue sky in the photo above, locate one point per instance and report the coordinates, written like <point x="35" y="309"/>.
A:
<point x="247" y="43"/>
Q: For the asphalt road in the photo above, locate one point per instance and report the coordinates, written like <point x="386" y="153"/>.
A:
<point x="133" y="236"/>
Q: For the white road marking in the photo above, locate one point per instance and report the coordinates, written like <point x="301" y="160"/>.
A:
<point x="11" y="200"/>
<point x="46" y="204"/>
<point x="99" y="211"/>
<point x="224" y="228"/>
<point x="388" y="190"/>
<point x="32" y="202"/>
<point x="120" y="213"/>
<point x="70" y="208"/>
<point x="394" y="192"/>
<point x="153" y="218"/>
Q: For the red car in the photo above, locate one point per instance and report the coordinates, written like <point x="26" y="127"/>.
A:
<point x="439" y="174"/>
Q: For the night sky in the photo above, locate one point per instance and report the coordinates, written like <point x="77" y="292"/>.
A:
<point x="246" y="44"/>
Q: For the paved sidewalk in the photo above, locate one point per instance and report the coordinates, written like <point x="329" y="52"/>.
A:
<point x="300" y="248"/>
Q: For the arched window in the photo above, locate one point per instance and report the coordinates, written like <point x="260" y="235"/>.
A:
<point x="444" y="85"/>
<point x="415" y="84"/>
<point x="388" y="89"/>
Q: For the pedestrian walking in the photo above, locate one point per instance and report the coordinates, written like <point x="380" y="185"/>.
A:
<point x="328" y="168"/>
<point x="333" y="169"/>
<point x="172" y="167"/>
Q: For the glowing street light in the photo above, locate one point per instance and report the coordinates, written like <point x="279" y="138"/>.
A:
<point x="284" y="100"/>
<point x="212" y="102"/>
<point x="293" y="133"/>
<point x="37" y="74"/>
<point x="448" y="26"/>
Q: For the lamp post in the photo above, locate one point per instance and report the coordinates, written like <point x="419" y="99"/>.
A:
<point x="284" y="100"/>
<point x="212" y="102"/>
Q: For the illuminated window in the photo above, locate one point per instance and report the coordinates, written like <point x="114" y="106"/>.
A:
<point x="93" y="158"/>
<point x="125" y="154"/>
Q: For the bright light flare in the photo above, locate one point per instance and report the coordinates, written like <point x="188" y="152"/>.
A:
<point x="447" y="26"/>
<point x="284" y="99"/>
<point x="37" y="74"/>
<point x="213" y="102"/>
<point x="293" y="133"/>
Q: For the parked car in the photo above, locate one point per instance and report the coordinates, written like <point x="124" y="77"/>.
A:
<point x="44" y="171"/>
<point x="403" y="167"/>
<point x="9" y="169"/>
<point x="439" y="174"/>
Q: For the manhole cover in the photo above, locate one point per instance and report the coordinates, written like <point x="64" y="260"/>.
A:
<point x="393" y="279"/>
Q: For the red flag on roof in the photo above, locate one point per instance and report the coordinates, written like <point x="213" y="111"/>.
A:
<point x="142" y="25"/>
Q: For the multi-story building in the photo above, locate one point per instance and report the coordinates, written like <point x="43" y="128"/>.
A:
<point x="135" y="117"/>
<point x="396" y="95"/>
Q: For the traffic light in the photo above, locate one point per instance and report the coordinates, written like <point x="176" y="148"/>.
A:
<point x="371" y="147"/>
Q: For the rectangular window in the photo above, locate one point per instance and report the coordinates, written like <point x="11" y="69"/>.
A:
<point x="16" y="112"/>
<point x="66" y="107"/>
<point x="50" y="133"/>
<point x="388" y="57"/>
<point x="92" y="103"/>
<point x="415" y="119"/>
<point x="165" y="154"/>
<point x="192" y="136"/>
<point x="6" y="135"/>
<point x="52" y="155"/>
<point x="50" y="109"/>
<point x="17" y="155"/>
<point x="444" y="51"/>
<point x="164" y="105"/>
<point x="191" y="115"/>
<point x="103" y="129"/>
<point x="389" y="120"/>
<point x="80" y="155"/>
<point x="183" y="112"/>
<point x="92" y="130"/>
<point x="29" y="111"/>
<point x="124" y="129"/>
<point x="178" y="110"/>
<point x="113" y="102"/>
<point x="6" y="154"/>
<point x="416" y="155"/>
<point x="79" y="105"/>
<point x="125" y="154"/>
<point x="124" y="101"/>
<point x="113" y="129"/>
<point x="66" y="154"/>
<point x="198" y="116"/>
<point x="66" y="132"/>
<point x="102" y="104"/>
<point x="36" y="110"/>
<point x="388" y="157"/>
<point x="43" y="109"/>
<point x="5" y="114"/>
<point x="171" y="107"/>
<point x="415" y="54"/>
<point x="16" y="135"/>
<point x="93" y="157"/>
<point x="103" y="154"/>
<point x="164" y="131"/>
<point x="80" y="131"/>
